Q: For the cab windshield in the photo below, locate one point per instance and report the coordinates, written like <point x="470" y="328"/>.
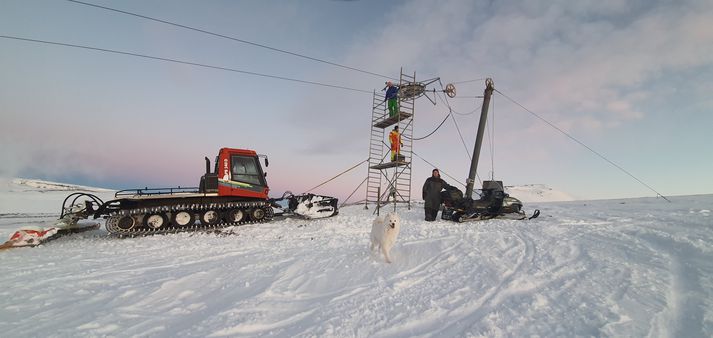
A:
<point x="247" y="169"/>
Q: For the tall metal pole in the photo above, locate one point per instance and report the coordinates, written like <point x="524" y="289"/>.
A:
<point x="489" y="87"/>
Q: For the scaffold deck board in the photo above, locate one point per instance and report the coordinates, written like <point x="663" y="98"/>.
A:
<point x="386" y="165"/>
<point x="392" y="120"/>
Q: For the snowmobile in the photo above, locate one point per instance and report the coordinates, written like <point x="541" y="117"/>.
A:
<point x="308" y="206"/>
<point x="494" y="202"/>
<point x="234" y="193"/>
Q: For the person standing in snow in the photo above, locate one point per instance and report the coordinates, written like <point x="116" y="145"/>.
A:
<point x="395" y="139"/>
<point x="391" y="98"/>
<point x="432" y="194"/>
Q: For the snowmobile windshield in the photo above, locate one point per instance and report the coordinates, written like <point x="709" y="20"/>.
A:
<point x="247" y="169"/>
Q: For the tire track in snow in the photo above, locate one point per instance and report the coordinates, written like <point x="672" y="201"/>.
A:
<point x="495" y="295"/>
<point x="518" y="288"/>
<point x="683" y="315"/>
<point x="421" y="272"/>
<point x="394" y="282"/>
<point x="451" y="312"/>
<point x="379" y="287"/>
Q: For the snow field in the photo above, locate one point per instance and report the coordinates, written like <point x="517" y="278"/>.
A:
<point x="637" y="267"/>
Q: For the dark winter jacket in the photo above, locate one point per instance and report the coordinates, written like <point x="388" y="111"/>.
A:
<point x="432" y="192"/>
<point x="391" y="92"/>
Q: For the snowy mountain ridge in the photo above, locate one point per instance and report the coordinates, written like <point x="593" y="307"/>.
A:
<point x="537" y="193"/>
<point x="24" y="184"/>
<point x="525" y="193"/>
<point x="31" y="196"/>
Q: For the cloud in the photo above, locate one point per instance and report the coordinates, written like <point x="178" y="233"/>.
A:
<point x="579" y="64"/>
<point x="586" y="66"/>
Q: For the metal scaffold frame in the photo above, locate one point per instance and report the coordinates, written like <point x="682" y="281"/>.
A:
<point x="382" y="184"/>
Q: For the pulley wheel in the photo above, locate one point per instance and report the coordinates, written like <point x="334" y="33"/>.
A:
<point x="411" y="90"/>
<point x="450" y="90"/>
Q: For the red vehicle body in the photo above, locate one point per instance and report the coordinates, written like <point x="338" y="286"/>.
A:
<point x="240" y="174"/>
<point x="233" y="193"/>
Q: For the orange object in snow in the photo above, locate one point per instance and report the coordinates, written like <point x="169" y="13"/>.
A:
<point x="30" y="236"/>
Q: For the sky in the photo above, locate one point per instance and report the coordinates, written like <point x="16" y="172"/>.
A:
<point x="631" y="80"/>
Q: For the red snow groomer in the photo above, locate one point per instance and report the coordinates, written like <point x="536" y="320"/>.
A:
<point x="234" y="193"/>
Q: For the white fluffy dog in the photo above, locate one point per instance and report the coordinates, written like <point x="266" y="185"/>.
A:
<point x="384" y="232"/>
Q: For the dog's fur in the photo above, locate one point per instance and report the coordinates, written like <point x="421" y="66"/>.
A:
<point x="384" y="231"/>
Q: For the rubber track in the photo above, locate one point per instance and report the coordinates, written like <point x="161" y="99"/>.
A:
<point x="141" y="230"/>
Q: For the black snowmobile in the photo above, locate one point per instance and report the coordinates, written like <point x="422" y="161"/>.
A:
<point x="494" y="202"/>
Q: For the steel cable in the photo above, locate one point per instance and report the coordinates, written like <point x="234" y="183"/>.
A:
<point x="183" y="62"/>
<point x="340" y="174"/>
<point x="232" y="38"/>
<point x="583" y="145"/>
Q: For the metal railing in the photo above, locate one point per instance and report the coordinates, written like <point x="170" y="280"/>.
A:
<point x="157" y="191"/>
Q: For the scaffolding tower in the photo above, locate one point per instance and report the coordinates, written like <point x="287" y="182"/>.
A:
<point x="390" y="180"/>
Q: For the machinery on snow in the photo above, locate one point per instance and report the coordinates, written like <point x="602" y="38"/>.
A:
<point x="235" y="192"/>
<point x="494" y="202"/>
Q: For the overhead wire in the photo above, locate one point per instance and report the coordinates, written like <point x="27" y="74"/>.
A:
<point x="583" y="145"/>
<point x="462" y="140"/>
<point x="355" y="190"/>
<point x="466" y="114"/>
<point x="340" y="174"/>
<point x="491" y="135"/>
<point x="454" y="122"/>
<point x="440" y="170"/>
<point x="466" y="81"/>
<point x="185" y="63"/>
<point x="431" y="133"/>
<point x="260" y="45"/>
<point x="441" y="124"/>
<point x="490" y="132"/>
<point x="444" y="99"/>
<point x="468" y="97"/>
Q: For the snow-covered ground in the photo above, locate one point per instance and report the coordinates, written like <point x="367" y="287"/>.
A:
<point x="635" y="267"/>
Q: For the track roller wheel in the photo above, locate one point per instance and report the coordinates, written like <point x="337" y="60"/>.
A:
<point x="210" y="217"/>
<point x="257" y="214"/>
<point x="183" y="218"/>
<point x="155" y="220"/>
<point x="126" y="223"/>
<point x="235" y="216"/>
